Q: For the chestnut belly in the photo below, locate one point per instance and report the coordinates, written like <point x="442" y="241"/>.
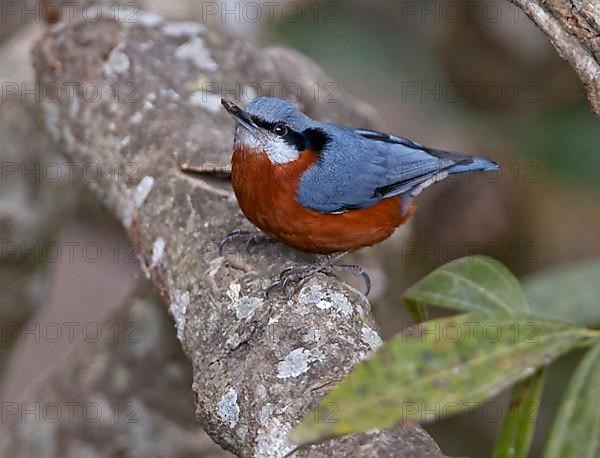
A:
<point x="267" y="196"/>
<point x="311" y="231"/>
<point x="315" y="232"/>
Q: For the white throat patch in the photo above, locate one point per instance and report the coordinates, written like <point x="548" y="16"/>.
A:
<point x="278" y="151"/>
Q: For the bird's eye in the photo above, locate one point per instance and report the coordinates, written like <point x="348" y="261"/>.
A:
<point x="280" y="129"/>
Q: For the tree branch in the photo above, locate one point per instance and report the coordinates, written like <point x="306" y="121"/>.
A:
<point x="258" y="365"/>
<point x="574" y="29"/>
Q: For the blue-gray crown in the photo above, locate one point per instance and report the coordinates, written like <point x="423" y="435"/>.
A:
<point x="272" y="110"/>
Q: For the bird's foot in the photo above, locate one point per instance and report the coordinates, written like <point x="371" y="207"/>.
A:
<point x="250" y="239"/>
<point x="292" y="276"/>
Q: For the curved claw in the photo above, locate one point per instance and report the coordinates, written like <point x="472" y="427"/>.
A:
<point x="367" y="280"/>
<point x="288" y="277"/>
<point x="252" y="237"/>
<point x="271" y="287"/>
<point x="255" y="239"/>
<point x="365" y="277"/>
<point x="286" y="283"/>
<point x="221" y="245"/>
<point x="232" y="235"/>
<point x="285" y="272"/>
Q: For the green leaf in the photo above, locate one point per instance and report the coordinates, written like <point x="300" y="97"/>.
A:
<point x="570" y="292"/>
<point x="514" y="438"/>
<point x="418" y="311"/>
<point x="449" y="366"/>
<point x="474" y="283"/>
<point x="576" y="430"/>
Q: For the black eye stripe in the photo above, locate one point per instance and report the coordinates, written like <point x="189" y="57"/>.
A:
<point x="314" y="139"/>
<point x="270" y="126"/>
<point x="295" y="139"/>
<point x="264" y="124"/>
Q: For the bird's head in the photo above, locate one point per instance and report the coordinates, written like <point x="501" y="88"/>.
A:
<point x="276" y="128"/>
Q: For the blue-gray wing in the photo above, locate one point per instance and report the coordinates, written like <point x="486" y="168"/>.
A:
<point x="359" y="167"/>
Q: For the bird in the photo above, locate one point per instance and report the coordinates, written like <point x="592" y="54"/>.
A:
<point x="327" y="188"/>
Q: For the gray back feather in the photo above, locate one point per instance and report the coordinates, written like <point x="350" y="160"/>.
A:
<point x="356" y="172"/>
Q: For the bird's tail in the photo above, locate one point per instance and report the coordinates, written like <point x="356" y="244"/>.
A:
<point x="465" y="163"/>
<point x="474" y="164"/>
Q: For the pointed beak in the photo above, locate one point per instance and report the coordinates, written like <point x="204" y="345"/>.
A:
<point x="238" y="114"/>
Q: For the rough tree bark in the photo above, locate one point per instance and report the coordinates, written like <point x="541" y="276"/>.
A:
<point x="574" y="29"/>
<point x="258" y="365"/>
